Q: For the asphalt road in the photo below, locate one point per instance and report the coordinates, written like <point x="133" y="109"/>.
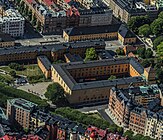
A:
<point x="105" y="116"/>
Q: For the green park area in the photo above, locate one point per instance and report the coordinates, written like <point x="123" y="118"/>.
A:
<point x="32" y="72"/>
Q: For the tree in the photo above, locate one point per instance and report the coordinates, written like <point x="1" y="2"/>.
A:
<point x="120" y="51"/>
<point x="144" y="30"/>
<point x="145" y="63"/>
<point x="55" y="93"/>
<point x="141" y="52"/>
<point x="90" y="54"/>
<point x="160" y="49"/>
<point x="137" y="21"/>
<point x="12" y="73"/>
<point x="148" y="53"/>
<point x="157" y="42"/>
<point x="159" y="74"/>
<point x="137" y="137"/>
<point x="112" y="77"/>
<point x="160" y="15"/>
<point x="157" y="26"/>
<point x="15" y="66"/>
<point x="129" y="134"/>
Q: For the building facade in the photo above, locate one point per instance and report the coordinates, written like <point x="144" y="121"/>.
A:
<point x="86" y="82"/>
<point x="107" y="32"/>
<point x="124" y="10"/>
<point x="53" y="19"/>
<point x="13" y="23"/>
<point x="19" y="111"/>
<point x="26" y="54"/>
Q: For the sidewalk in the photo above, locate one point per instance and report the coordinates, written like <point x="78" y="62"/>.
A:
<point x="112" y="117"/>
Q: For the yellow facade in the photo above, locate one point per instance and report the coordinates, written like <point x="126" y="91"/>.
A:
<point x="7" y="44"/>
<point x="109" y="36"/>
<point x="94" y="94"/>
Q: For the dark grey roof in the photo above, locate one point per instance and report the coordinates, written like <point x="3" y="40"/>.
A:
<point x="92" y="30"/>
<point x="6" y="37"/>
<point x="48" y="48"/>
<point x="74" y="57"/>
<point x="73" y="85"/>
<point x="125" y="32"/>
<point x="45" y="61"/>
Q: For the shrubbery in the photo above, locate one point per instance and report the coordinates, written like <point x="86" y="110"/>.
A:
<point x="85" y="119"/>
<point x="7" y="92"/>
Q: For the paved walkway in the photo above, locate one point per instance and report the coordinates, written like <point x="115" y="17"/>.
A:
<point x="38" y="89"/>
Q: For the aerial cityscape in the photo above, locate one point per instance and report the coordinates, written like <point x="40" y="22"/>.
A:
<point x="81" y="69"/>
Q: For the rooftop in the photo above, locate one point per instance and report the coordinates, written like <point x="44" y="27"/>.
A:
<point x="62" y="70"/>
<point x="45" y="61"/>
<point x="22" y="104"/>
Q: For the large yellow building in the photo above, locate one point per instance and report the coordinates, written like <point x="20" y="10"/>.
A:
<point x="86" y="82"/>
<point x="108" y="32"/>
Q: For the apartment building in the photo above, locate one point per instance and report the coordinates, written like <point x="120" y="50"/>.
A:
<point x="19" y="111"/>
<point x="124" y="9"/>
<point x="12" y="22"/>
<point x="154" y="125"/>
<point x="54" y="18"/>
<point x="128" y="113"/>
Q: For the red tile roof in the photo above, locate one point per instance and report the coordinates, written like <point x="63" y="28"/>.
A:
<point x="48" y="2"/>
<point x="5" y="138"/>
<point x="30" y="1"/>
<point x="72" y="11"/>
<point x="67" y="1"/>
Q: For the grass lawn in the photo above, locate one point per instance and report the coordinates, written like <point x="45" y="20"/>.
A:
<point x="6" y="77"/>
<point x="95" y="115"/>
<point x="30" y="70"/>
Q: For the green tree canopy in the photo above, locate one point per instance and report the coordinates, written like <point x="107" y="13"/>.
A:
<point x="129" y="134"/>
<point x="12" y="73"/>
<point x="148" y="53"/>
<point x="157" y="42"/>
<point x="145" y="63"/>
<point x="120" y="51"/>
<point x="144" y="30"/>
<point x="160" y="49"/>
<point x="141" y="52"/>
<point x="137" y="21"/>
<point x="55" y="93"/>
<point x="157" y="26"/>
<point x="112" y="77"/>
<point x="160" y="15"/>
<point x="90" y="54"/>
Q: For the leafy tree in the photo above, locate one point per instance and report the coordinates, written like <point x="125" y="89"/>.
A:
<point x="148" y="53"/>
<point x="120" y="51"/>
<point x="15" y="66"/>
<point x="112" y="77"/>
<point x="137" y="21"/>
<point x="157" y="42"/>
<point x="55" y="93"/>
<point x="144" y="30"/>
<point x="12" y="73"/>
<point x="145" y="63"/>
<point x="157" y="26"/>
<point x="160" y="49"/>
<point x="129" y="134"/>
<point x="141" y="52"/>
<point x="159" y="74"/>
<point x="137" y="137"/>
<point x="90" y="54"/>
<point x="160" y="15"/>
